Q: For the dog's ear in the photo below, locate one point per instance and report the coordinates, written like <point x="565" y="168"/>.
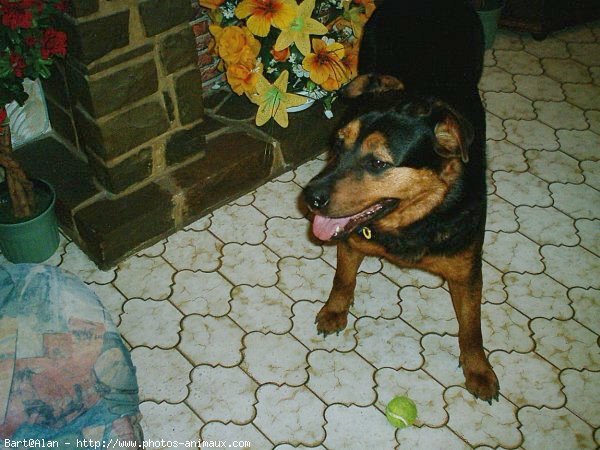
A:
<point x="371" y="83"/>
<point x="453" y="132"/>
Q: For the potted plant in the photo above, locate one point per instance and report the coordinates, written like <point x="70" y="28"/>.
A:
<point x="29" y="44"/>
<point x="285" y="54"/>
<point x="489" y="13"/>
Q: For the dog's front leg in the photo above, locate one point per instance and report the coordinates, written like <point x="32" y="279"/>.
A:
<point x="333" y="317"/>
<point x="465" y="291"/>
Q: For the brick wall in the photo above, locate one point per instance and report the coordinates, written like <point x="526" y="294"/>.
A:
<point x="128" y="89"/>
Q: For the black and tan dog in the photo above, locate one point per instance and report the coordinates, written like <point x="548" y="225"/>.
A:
<point x="407" y="177"/>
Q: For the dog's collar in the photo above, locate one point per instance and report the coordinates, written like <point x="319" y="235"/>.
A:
<point x="365" y="232"/>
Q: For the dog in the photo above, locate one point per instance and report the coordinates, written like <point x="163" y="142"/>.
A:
<point x="406" y="180"/>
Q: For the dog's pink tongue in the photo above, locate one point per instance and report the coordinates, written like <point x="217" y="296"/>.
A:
<point x="325" y="227"/>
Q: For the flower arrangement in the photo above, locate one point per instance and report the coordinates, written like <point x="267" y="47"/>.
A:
<point x="29" y="43"/>
<point x="270" y="47"/>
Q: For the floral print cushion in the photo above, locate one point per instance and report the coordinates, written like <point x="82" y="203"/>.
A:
<point x="64" y="371"/>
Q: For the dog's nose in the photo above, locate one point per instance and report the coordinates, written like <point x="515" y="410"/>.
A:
<point x="316" y="198"/>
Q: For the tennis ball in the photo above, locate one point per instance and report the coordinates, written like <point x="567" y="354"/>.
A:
<point x="401" y="412"/>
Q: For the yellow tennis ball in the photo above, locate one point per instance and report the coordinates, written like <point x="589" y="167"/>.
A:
<point x="401" y="412"/>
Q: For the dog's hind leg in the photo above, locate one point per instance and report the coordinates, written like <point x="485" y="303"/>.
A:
<point x="465" y="290"/>
<point x="333" y="317"/>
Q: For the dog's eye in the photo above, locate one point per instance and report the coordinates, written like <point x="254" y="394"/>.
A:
<point x="377" y="165"/>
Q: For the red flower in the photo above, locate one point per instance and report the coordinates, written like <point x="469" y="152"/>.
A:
<point x="18" y="64"/>
<point x="30" y="41"/>
<point x="3" y="117"/>
<point x="61" y="5"/>
<point x="54" y="42"/>
<point x="14" y="17"/>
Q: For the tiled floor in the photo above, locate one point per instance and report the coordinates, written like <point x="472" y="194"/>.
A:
<point x="220" y="315"/>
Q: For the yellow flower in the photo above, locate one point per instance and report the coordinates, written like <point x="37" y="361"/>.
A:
<point x="350" y="59"/>
<point x="235" y="45"/>
<point x="273" y="100"/>
<point x="325" y="65"/>
<point x="211" y="4"/>
<point x="243" y="79"/>
<point x="300" y="29"/>
<point x="261" y="14"/>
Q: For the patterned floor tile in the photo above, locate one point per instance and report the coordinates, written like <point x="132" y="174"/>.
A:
<point x="554" y="166"/>
<point x="397" y="345"/>
<point x="561" y="115"/>
<point x="77" y="263"/>
<point x="549" y="47"/>
<point x="111" y="298"/>
<point x="275" y="358"/>
<point x="572" y="266"/>
<point x="201" y="293"/>
<point x="517" y="62"/>
<point x="585" y="96"/>
<point x="163" y="317"/>
<point x="509" y="105"/>
<point x="375" y="296"/>
<point x="230" y="433"/>
<point x="441" y="355"/>
<point x="566" y="344"/>
<point x="293" y="282"/>
<point x="539" y="87"/>
<point x="347" y="426"/>
<point x="287" y="237"/>
<point x="341" y="378"/>
<point x="305" y="329"/>
<point x="428" y="310"/>
<point x="211" y="340"/>
<point x="502" y="155"/>
<point x="505" y="328"/>
<point x="226" y="222"/>
<point x="224" y="394"/>
<point x="522" y="188"/>
<point x="527" y="379"/>
<point x="582" y="389"/>
<point x="424" y="437"/>
<point x="497" y="79"/>
<point x="546" y="226"/>
<point x="292" y="415"/>
<point x="501" y="215"/>
<point x="497" y="424"/>
<point x="554" y="428"/>
<point x="261" y="309"/>
<point x="586" y="303"/>
<point x="280" y="200"/>
<point x="581" y="145"/>
<point x="531" y="134"/>
<point x="580" y="201"/>
<point x="418" y="386"/>
<point x="512" y="252"/>
<point x="169" y="422"/>
<point x="143" y="277"/>
<point x="193" y="250"/>
<point x="249" y="264"/>
<point x="538" y="296"/>
<point x="163" y="375"/>
<point x="591" y="173"/>
<point x="566" y="70"/>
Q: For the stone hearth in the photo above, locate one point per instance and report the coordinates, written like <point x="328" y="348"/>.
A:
<point x="138" y="150"/>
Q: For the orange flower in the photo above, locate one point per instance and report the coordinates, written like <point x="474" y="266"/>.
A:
<point x="325" y="65"/>
<point x="281" y="55"/>
<point x="261" y="14"/>
<point x="243" y="79"/>
<point x="350" y="59"/>
<point x="235" y="45"/>
<point x="211" y="4"/>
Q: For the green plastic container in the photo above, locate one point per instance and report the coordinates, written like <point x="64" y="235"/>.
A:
<point x="31" y="240"/>
<point x="490" y="16"/>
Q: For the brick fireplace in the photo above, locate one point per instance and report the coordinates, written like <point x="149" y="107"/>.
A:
<point x="138" y="150"/>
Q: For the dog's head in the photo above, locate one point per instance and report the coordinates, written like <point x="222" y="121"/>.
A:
<point x="391" y="165"/>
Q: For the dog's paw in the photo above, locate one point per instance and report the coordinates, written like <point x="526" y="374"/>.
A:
<point x="329" y="322"/>
<point x="480" y="380"/>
